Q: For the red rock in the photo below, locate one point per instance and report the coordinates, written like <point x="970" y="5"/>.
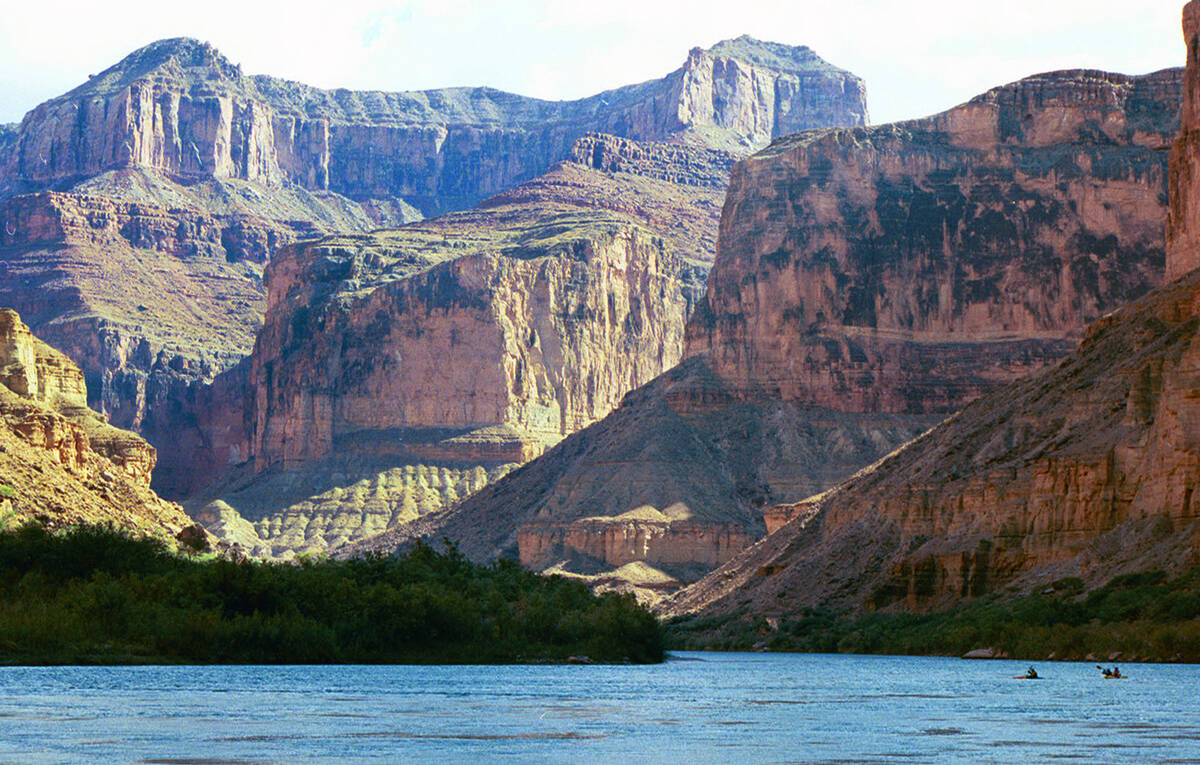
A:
<point x="1183" y="220"/>
<point x="1087" y="470"/>
<point x="868" y="282"/>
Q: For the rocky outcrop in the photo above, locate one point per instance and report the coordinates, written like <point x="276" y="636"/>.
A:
<point x="1086" y="470"/>
<point x="656" y="540"/>
<point x="510" y="326"/>
<point x="1183" y="219"/>
<point x="339" y="501"/>
<point x="34" y="370"/>
<point x="61" y="463"/>
<point x="777" y="516"/>
<point x="174" y="171"/>
<point x="868" y="283"/>
<point x="913" y="267"/>
<point x="178" y="107"/>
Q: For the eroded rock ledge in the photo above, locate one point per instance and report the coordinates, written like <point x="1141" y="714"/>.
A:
<point x="61" y="463"/>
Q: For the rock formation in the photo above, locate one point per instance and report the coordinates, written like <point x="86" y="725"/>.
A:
<point x="61" y="463"/>
<point x="399" y="372"/>
<point x="504" y="328"/>
<point x="912" y="267"/>
<point x="180" y="108"/>
<point x="1087" y="470"/>
<point x="680" y="446"/>
<point x="868" y="283"/>
<point x="1183" y="218"/>
<point x="175" y="171"/>
<point x="153" y="288"/>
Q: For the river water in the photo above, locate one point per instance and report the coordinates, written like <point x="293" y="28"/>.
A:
<point x="695" y="708"/>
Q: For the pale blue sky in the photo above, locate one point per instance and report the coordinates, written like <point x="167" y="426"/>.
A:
<point x="918" y="57"/>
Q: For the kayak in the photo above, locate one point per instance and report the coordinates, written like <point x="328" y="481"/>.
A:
<point x="1027" y="677"/>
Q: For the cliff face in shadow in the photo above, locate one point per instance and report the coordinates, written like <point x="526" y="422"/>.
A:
<point x="1085" y="470"/>
<point x="912" y="267"/>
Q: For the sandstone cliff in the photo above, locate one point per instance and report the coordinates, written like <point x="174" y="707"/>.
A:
<point x="399" y="373"/>
<point x="450" y="349"/>
<point x="912" y="267"/>
<point x="1086" y="470"/>
<point x="868" y="283"/>
<point x="60" y="462"/>
<point x="174" y="172"/>
<point x="180" y="108"/>
<point x="1183" y="219"/>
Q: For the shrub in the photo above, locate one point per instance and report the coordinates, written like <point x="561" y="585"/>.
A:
<point x="92" y="594"/>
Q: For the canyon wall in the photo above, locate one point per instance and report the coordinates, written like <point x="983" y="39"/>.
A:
<point x="177" y="174"/>
<point x="398" y="373"/>
<point x="448" y="348"/>
<point x="153" y="288"/>
<point x="913" y="267"/>
<point x="868" y="283"/>
<point x="180" y="108"/>
<point x="542" y="329"/>
<point x="1183" y="218"/>
<point x="1085" y="471"/>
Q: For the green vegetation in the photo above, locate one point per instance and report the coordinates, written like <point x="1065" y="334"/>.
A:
<point x="94" y="595"/>
<point x="1143" y="616"/>
<point x="7" y="492"/>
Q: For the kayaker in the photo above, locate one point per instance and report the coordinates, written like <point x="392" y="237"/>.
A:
<point x="1031" y="674"/>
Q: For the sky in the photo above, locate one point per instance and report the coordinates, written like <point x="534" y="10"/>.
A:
<point x="918" y="57"/>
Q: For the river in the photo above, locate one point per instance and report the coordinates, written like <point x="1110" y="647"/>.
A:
<point x="695" y="708"/>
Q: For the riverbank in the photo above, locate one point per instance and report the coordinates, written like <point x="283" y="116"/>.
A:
<point x="1142" y="617"/>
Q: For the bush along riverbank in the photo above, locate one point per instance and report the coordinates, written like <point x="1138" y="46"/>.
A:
<point x="1138" y="617"/>
<point x="95" y="596"/>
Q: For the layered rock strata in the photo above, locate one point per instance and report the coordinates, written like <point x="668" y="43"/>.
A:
<point x="447" y="347"/>
<point x="175" y="153"/>
<point x="868" y="283"/>
<point x="538" y="311"/>
<point x="1086" y="470"/>
<point x="1183" y="219"/>
<point x="178" y="107"/>
<point x="153" y="288"/>
<point x="913" y="267"/>
<point x="61" y="463"/>
<point x="681" y="446"/>
<point x="656" y="540"/>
